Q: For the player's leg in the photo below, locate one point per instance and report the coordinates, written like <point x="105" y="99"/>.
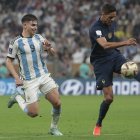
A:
<point x="107" y="90"/>
<point x="104" y="75"/>
<point x="17" y="98"/>
<point x="33" y="109"/>
<point x="31" y="97"/>
<point x="54" y="99"/>
<point x="137" y="77"/>
<point x="119" y="62"/>
<point x="108" y="99"/>
<point x="28" y="104"/>
<point x="50" y="89"/>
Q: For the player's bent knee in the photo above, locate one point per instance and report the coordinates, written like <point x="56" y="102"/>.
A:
<point x="109" y="101"/>
<point x="32" y="115"/>
<point x="57" y="104"/>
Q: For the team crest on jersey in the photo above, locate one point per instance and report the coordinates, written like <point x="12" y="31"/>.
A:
<point x="110" y="35"/>
<point x="10" y="50"/>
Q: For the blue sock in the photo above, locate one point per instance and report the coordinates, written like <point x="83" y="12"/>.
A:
<point x="56" y="110"/>
<point x="55" y="117"/>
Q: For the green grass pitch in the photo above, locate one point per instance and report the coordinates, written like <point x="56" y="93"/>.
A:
<point x="79" y="114"/>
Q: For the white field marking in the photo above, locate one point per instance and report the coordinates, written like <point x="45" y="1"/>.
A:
<point x="45" y="136"/>
<point x="112" y="134"/>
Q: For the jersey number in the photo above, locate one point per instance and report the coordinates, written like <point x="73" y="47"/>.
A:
<point x="32" y="48"/>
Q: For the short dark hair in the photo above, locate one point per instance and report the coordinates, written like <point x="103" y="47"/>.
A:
<point x="108" y="8"/>
<point x="28" y="17"/>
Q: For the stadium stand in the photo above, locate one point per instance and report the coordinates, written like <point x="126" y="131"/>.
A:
<point x="66" y="24"/>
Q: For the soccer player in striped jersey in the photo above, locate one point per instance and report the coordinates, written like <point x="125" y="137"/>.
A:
<point x="34" y="75"/>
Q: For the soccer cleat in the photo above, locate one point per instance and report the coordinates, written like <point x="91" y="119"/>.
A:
<point x="97" y="131"/>
<point x="12" y="100"/>
<point x="55" y="132"/>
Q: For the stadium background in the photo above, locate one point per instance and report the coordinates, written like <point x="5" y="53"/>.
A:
<point x="65" y="23"/>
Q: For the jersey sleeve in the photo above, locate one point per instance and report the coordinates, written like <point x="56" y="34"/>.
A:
<point x="12" y="50"/>
<point x="41" y="38"/>
<point x="97" y="33"/>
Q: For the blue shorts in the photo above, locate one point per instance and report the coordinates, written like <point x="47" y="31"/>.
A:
<point x="104" y="68"/>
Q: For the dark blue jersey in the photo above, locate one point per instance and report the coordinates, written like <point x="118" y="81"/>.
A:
<point x="97" y="30"/>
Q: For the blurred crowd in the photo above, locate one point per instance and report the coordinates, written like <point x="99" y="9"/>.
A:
<point x="66" y="23"/>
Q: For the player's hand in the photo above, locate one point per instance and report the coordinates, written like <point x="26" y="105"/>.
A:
<point x="51" y="51"/>
<point x="46" y="45"/>
<point x="19" y="82"/>
<point x="131" y="41"/>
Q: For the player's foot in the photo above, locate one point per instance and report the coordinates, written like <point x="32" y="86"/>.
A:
<point x="55" y="132"/>
<point x="12" y="100"/>
<point x="97" y="131"/>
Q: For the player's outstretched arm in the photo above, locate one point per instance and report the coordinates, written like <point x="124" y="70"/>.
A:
<point x="107" y="45"/>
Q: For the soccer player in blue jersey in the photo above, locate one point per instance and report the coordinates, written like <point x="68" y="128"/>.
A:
<point x="34" y="76"/>
<point x="106" y="58"/>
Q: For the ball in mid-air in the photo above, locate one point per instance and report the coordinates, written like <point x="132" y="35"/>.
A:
<point x="129" y="69"/>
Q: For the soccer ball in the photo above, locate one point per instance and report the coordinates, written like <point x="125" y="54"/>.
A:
<point x="129" y="69"/>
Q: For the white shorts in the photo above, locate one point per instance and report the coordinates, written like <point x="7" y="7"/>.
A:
<point x="32" y="88"/>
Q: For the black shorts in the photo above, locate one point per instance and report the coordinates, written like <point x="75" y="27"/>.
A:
<point x="104" y="68"/>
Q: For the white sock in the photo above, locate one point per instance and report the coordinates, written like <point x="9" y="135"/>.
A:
<point x="55" y="119"/>
<point x="22" y="103"/>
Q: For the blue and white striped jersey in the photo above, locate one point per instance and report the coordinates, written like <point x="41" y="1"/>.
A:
<point x="29" y="53"/>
